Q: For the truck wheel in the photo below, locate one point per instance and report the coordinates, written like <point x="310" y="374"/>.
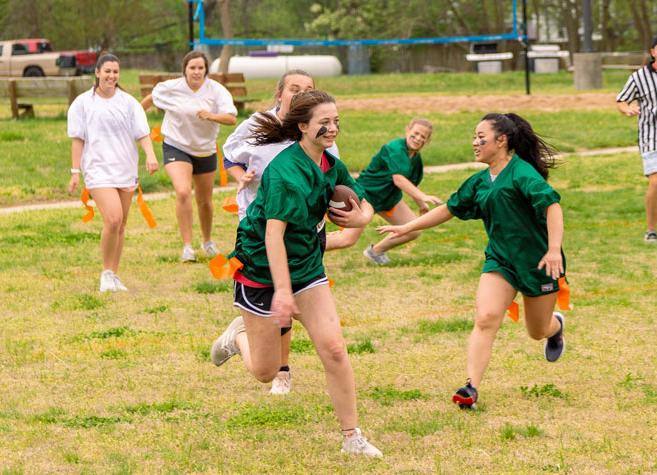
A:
<point x="33" y="71"/>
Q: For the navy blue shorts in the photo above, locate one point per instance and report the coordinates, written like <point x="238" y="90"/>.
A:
<point x="199" y="165"/>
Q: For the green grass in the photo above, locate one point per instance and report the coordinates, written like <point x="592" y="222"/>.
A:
<point x="122" y="383"/>
<point x="36" y="153"/>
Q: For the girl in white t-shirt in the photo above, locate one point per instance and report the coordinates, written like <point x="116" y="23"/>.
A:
<point x="193" y="106"/>
<point x="104" y="124"/>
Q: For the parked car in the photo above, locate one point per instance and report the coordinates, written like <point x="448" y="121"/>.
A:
<point x="84" y="61"/>
<point x="16" y="59"/>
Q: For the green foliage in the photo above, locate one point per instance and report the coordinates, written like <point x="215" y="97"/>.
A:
<point x="267" y="416"/>
<point x="301" y="345"/>
<point x="144" y="409"/>
<point x="432" y="327"/>
<point x="546" y="390"/>
<point x="117" y="332"/>
<point x="364" y="346"/>
<point x="389" y="395"/>
<point x="509" y="431"/>
<point x="213" y="286"/>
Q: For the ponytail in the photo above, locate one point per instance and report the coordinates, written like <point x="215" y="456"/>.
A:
<point x="269" y="130"/>
<point x="522" y="139"/>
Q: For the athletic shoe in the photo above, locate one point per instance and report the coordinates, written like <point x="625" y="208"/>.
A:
<point x="357" y="444"/>
<point x="210" y="249"/>
<point x="466" y="397"/>
<point x="650" y="236"/>
<point x="378" y="259"/>
<point x="282" y="383"/>
<point x="188" y="254"/>
<point x="119" y="284"/>
<point x="556" y="344"/>
<point x="107" y="282"/>
<point x="226" y="346"/>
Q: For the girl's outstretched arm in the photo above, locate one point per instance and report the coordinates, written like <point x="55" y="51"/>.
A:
<point x="433" y="218"/>
<point x="414" y="192"/>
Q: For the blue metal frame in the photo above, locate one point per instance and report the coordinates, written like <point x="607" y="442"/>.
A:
<point x="202" y="40"/>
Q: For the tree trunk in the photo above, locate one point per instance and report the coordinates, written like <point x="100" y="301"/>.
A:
<point x="570" y="14"/>
<point x="644" y="39"/>
<point x="227" y="29"/>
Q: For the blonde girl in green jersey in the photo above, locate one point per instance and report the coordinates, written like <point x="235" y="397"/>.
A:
<point x="524" y="223"/>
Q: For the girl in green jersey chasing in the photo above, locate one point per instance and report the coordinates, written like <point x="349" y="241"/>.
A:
<point x="524" y="223"/>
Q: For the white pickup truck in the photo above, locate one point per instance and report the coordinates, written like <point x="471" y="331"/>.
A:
<point x="17" y="60"/>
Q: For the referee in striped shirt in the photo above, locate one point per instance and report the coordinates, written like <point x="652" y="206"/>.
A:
<point x="639" y="98"/>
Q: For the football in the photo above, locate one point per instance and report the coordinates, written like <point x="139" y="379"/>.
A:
<point x="340" y="198"/>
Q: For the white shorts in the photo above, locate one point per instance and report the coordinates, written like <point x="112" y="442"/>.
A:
<point x="649" y="163"/>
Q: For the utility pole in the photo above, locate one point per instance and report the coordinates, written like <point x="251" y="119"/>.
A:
<point x="587" y="15"/>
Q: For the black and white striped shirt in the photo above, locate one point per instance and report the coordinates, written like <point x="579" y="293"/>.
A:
<point x="642" y="86"/>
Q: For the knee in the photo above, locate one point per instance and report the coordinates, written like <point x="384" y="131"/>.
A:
<point x="335" y="352"/>
<point x="538" y="333"/>
<point x="204" y="203"/>
<point x="183" y="195"/>
<point x="114" y="223"/>
<point x="265" y="374"/>
<point x="486" y="321"/>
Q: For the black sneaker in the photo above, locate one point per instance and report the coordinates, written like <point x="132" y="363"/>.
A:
<point x="556" y="344"/>
<point x="650" y="236"/>
<point x="466" y="397"/>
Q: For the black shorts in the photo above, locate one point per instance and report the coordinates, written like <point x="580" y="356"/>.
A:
<point x="200" y="165"/>
<point x="258" y="300"/>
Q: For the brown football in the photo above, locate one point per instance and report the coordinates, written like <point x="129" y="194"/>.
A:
<point x="340" y="198"/>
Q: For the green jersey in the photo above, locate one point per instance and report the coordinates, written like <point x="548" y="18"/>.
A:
<point x="293" y="189"/>
<point x="376" y="179"/>
<point x="513" y="208"/>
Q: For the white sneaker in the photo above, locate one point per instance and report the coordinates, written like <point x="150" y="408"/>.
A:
<point x="282" y="383"/>
<point x="210" y="249"/>
<point x="107" y="282"/>
<point x="188" y="254"/>
<point x="225" y="346"/>
<point x="378" y="259"/>
<point x="119" y="285"/>
<point x="357" y="444"/>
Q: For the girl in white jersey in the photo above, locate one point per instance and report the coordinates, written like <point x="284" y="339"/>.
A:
<point x="246" y="162"/>
<point x="193" y="106"/>
<point x="104" y="124"/>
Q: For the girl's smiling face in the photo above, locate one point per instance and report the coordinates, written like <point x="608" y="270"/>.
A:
<point x="417" y="136"/>
<point x="323" y="127"/>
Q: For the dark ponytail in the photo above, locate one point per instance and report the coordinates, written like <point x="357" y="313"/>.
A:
<point x="268" y="129"/>
<point x="522" y="139"/>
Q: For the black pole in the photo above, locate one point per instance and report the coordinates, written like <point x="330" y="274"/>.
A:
<point x="526" y="44"/>
<point x="190" y="20"/>
<point x="588" y="26"/>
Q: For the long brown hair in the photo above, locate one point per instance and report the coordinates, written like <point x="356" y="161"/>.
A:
<point x="522" y="139"/>
<point x="268" y="129"/>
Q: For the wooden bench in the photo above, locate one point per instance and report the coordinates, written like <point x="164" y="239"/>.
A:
<point x="52" y="87"/>
<point x="234" y="82"/>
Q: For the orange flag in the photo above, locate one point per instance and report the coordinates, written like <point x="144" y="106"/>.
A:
<point x="145" y="210"/>
<point x="563" y="296"/>
<point x="156" y="135"/>
<point x="331" y="282"/>
<point x="230" y="205"/>
<point x="223" y="175"/>
<point x="223" y="268"/>
<point x="513" y="312"/>
<point x="84" y="197"/>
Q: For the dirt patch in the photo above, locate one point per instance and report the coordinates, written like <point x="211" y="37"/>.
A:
<point x="425" y="104"/>
<point x="454" y="104"/>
